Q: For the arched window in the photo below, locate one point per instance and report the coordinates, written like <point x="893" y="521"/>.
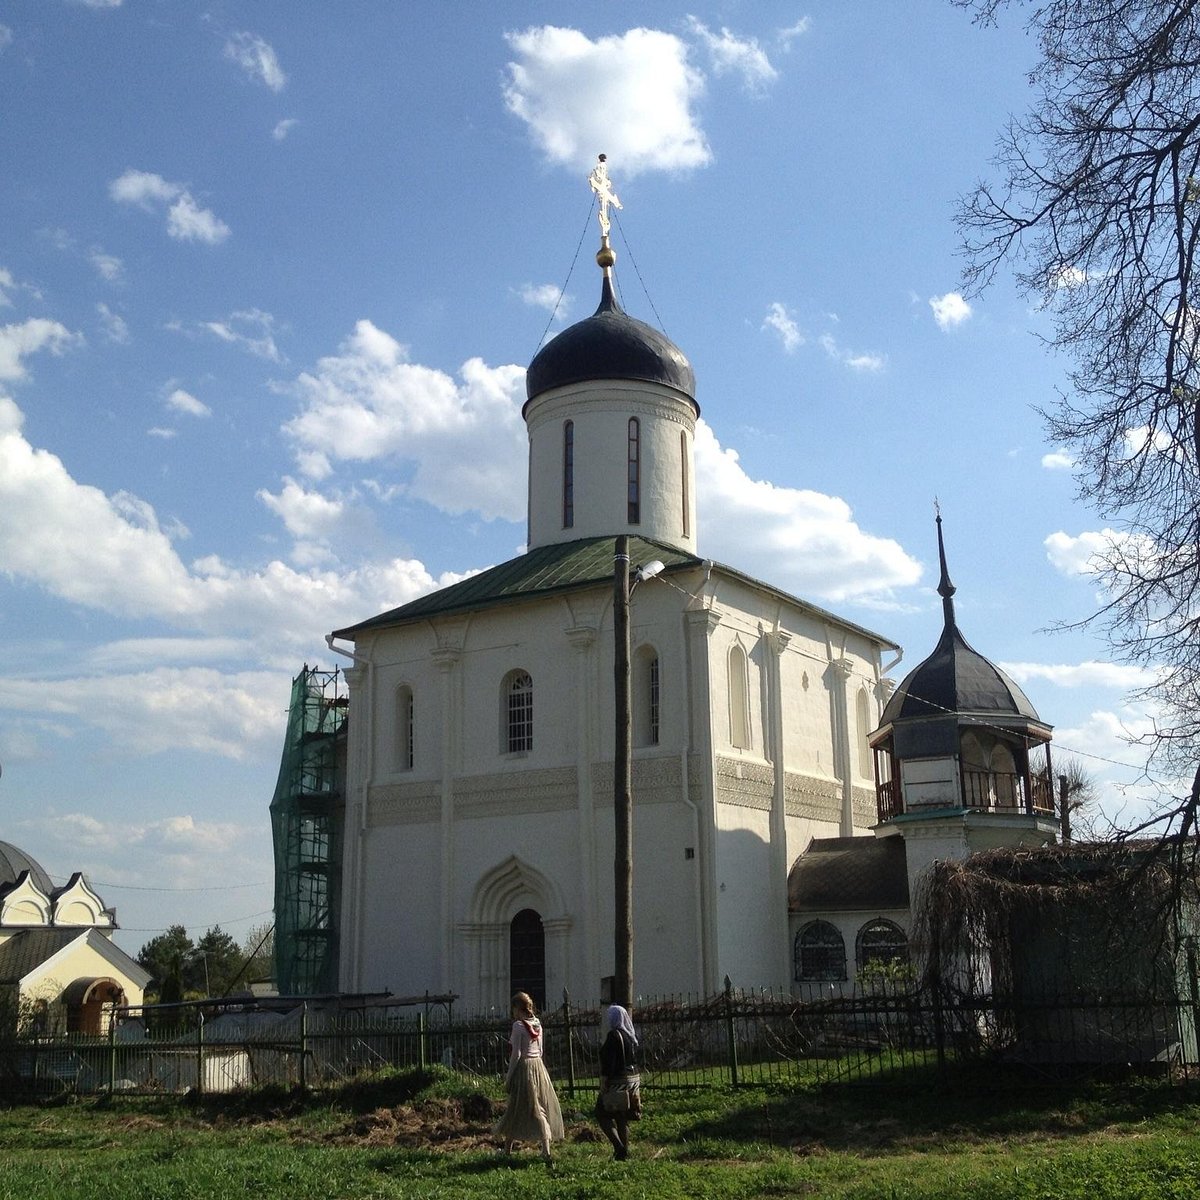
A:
<point x="517" y="713"/>
<point x="635" y="471"/>
<point x="881" y="941"/>
<point x="646" y="696"/>
<point x="739" y="699"/>
<point x="404" y="728"/>
<point x="683" y="475"/>
<point x="819" y="953"/>
<point x="568" y="498"/>
<point x="527" y="956"/>
<point x="863" y="712"/>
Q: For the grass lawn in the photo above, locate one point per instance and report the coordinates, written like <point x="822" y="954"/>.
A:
<point x="428" y="1136"/>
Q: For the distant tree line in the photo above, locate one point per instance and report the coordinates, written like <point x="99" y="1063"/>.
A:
<point x="213" y="966"/>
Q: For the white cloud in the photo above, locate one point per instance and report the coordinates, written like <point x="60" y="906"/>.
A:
<point x="784" y="324"/>
<point x="256" y="58"/>
<point x="159" y="432"/>
<point x="186" y="220"/>
<point x="631" y="96"/>
<point x="856" y="362"/>
<point x="108" y="266"/>
<point x="6" y="281"/>
<point x="744" y="56"/>
<point x="785" y="37"/>
<point x="1140" y="439"/>
<point x="548" y="296"/>
<point x="949" y="310"/>
<point x="251" y="329"/>
<point x="799" y="539"/>
<point x="465" y="440"/>
<point x="100" y="3"/>
<point x="113" y="324"/>
<point x="17" y="341"/>
<point x="185" y="402"/>
<point x="146" y="712"/>
<point x="113" y="555"/>
<point x="1089" y="674"/>
<point x="1058" y="460"/>
<point x="283" y="128"/>
<point x="1083" y="555"/>
<point x="6" y="37"/>
<point x="1068" y="278"/>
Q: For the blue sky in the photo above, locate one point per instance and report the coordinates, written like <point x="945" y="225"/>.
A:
<point x="269" y="277"/>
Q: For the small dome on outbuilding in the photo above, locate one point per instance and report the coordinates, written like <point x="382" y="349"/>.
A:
<point x="610" y="344"/>
<point x="956" y="678"/>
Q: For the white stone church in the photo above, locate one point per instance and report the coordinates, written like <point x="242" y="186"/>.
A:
<point x="784" y="798"/>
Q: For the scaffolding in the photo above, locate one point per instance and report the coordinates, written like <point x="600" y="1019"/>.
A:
<point x="306" y="825"/>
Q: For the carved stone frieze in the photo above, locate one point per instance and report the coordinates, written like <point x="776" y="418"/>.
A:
<point x="656" y="780"/>
<point x="551" y="789"/>
<point x="403" y="803"/>
<point x="816" y="799"/>
<point x="745" y="784"/>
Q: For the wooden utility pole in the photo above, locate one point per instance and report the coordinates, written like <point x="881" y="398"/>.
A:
<point x="622" y="782"/>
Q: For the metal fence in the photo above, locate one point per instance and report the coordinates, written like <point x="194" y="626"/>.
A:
<point x="893" y="1033"/>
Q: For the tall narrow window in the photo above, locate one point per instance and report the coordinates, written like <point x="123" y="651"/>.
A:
<point x="683" y="475"/>
<point x="654" y="701"/>
<point x="739" y="695"/>
<point x="635" y="472"/>
<point x="518" y="713"/>
<point x="568" y="474"/>
<point x="645" y="696"/>
<point x="404" y="728"/>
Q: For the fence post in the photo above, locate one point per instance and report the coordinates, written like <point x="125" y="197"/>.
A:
<point x="200" y="1052"/>
<point x="1194" y="993"/>
<point x="731" y="1033"/>
<point x="304" y="1046"/>
<point x="422" y="1041"/>
<point x="570" y="1044"/>
<point x="112" y="1052"/>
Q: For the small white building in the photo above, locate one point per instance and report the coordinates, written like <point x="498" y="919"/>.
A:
<point x="60" y="970"/>
<point x="478" y="841"/>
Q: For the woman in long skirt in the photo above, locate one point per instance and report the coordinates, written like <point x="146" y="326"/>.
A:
<point x="533" y="1113"/>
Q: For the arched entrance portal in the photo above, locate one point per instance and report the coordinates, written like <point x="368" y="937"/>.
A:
<point x="527" y="955"/>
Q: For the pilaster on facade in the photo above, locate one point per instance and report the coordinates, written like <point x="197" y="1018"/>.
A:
<point x="777" y="641"/>
<point x="446" y="656"/>
<point x="582" y="638"/>
<point x="839" y="673"/>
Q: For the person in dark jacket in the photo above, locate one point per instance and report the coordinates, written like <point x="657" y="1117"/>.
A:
<point x="620" y="1099"/>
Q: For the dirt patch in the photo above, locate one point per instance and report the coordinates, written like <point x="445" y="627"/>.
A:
<point x="451" y="1126"/>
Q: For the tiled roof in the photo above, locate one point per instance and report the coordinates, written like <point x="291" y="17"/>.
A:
<point x="27" y="950"/>
<point x="860" y="873"/>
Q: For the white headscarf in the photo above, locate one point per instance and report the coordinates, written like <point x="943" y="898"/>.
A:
<point x="619" y="1018"/>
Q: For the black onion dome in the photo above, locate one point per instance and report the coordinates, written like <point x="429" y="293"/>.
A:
<point x="957" y="679"/>
<point x="610" y="344"/>
<point x="13" y="861"/>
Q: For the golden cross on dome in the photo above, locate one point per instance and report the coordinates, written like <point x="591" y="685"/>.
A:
<point x="600" y="183"/>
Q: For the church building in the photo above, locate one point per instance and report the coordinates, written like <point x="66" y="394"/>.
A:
<point x="478" y="826"/>
<point x="475" y="812"/>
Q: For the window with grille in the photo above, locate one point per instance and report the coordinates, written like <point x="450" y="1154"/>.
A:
<point x="568" y="497"/>
<point x="635" y="471"/>
<point x="519" y="713"/>
<point x="881" y="941"/>
<point x="820" y="953"/>
<point x="404" y="728"/>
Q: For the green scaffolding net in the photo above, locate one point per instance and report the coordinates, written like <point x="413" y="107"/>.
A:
<point x="306" y="825"/>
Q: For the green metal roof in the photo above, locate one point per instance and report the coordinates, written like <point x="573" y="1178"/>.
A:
<point x="544" y="571"/>
<point x="550" y="570"/>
